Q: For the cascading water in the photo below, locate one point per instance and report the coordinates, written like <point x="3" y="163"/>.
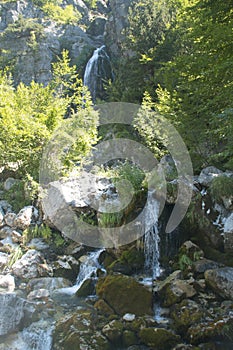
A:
<point x="151" y="238"/>
<point x="88" y="269"/>
<point x="97" y="70"/>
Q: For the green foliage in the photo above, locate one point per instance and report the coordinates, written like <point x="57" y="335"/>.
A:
<point x="15" y="256"/>
<point x="110" y="219"/>
<point x="221" y="186"/>
<point x="17" y="196"/>
<point x="184" y="262"/>
<point x="66" y="15"/>
<point x="91" y="4"/>
<point x="30" y="114"/>
<point x="37" y="231"/>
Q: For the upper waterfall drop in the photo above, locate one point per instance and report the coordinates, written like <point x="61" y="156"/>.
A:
<point x="98" y="70"/>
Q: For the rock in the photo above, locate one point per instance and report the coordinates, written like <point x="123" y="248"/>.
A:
<point x="129" y="338"/>
<point x="159" y="338"/>
<point x="16" y="237"/>
<point x="25" y="217"/>
<point x="5" y="232"/>
<point x="31" y="265"/>
<point x="87" y="288"/>
<point x="208" y="174"/>
<point x="191" y="250"/>
<point x="14" y="313"/>
<point x="9" y="183"/>
<point x="9" y="219"/>
<point x="220" y="329"/>
<point x="103" y="307"/>
<point x="129" y="317"/>
<point x="221" y="281"/>
<point x="78" y="331"/>
<point x="38" y="294"/>
<point x="185" y="314"/>
<point x="228" y="234"/>
<point x="7" y="283"/>
<point x="200" y="266"/>
<point x="124" y="295"/>
<point x="67" y="267"/>
<point x="49" y="283"/>
<point x="113" y="331"/>
<point x="38" y="244"/>
<point x="4" y="259"/>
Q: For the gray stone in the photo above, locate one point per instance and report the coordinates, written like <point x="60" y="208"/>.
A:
<point x="228" y="233"/>
<point x="202" y="265"/>
<point x="9" y="219"/>
<point x="31" y="265"/>
<point x="208" y="174"/>
<point x="14" y="311"/>
<point x="25" y="217"/>
<point x="49" y="283"/>
<point x="4" y="259"/>
<point x="38" y="294"/>
<point x="221" y="281"/>
<point x="7" y="282"/>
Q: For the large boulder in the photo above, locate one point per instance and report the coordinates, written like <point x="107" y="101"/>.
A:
<point x="31" y="265"/>
<point x="221" y="281"/>
<point x="15" y="312"/>
<point x="49" y="283"/>
<point x="208" y="174"/>
<point x="124" y="295"/>
<point x="185" y="314"/>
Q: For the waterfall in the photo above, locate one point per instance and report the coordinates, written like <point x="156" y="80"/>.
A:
<point x="38" y="336"/>
<point x="151" y="238"/>
<point x="97" y="70"/>
<point x="87" y="270"/>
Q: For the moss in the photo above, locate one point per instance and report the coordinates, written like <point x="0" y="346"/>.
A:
<point x="129" y="338"/>
<point x="186" y="314"/>
<point x="158" y="338"/>
<point x="125" y="295"/>
<point x="221" y="186"/>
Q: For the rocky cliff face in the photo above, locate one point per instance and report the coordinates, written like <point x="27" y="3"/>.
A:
<point x="31" y="38"/>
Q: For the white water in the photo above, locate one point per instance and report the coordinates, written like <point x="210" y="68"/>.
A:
<point x="92" y="71"/>
<point x="87" y="269"/>
<point x="151" y="238"/>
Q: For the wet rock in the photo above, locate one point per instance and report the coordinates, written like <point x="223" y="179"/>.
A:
<point x="25" y="217"/>
<point x="87" y="288"/>
<point x="124" y="295"/>
<point x="221" y="281"/>
<point x="39" y="294"/>
<point x="31" y="265"/>
<point x="185" y="314"/>
<point x="113" y="331"/>
<point x="7" y="283"/>
<point x="14" y="312"/>
<point x="159" y="338"/>
<point x="67" y="267"/>
<point x="49" y="283"/>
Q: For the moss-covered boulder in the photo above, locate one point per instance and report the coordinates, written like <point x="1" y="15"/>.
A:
<point x="124" y="295"/>
<point x="129" y="338"/>
<point x="158" y="338"/>
<point x="87" y="288"/>
<point x="174" y="289"/>
<point x="79" y="330"/>
<point x="185" y="314"/>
